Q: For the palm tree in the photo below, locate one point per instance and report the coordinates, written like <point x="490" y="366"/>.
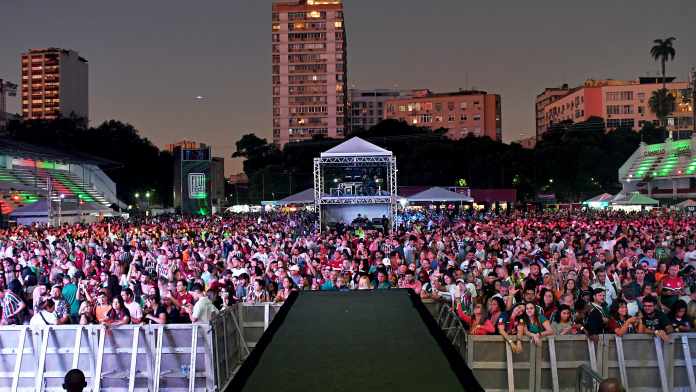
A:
<point x="663" y="51"/>
<point x="662" y="103"/>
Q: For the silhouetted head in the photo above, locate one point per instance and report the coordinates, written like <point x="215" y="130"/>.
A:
<point x="74" y="381"/>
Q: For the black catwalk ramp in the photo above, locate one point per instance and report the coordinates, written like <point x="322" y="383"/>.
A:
<point x="354" y="341"/>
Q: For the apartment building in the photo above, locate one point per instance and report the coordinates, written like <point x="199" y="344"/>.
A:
<point x="54" y="83"/>
<point x="619" y="103"/>
<point x="309" y="70"/>
<point x="461" y="113"/>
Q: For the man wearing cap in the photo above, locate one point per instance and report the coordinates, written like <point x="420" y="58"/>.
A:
<point x="295" y="274"/>
<point x="598" y="316"/>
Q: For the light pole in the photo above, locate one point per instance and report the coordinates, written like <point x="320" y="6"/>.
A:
<point x="60" y="208"/>
<point x="147" y="199"/>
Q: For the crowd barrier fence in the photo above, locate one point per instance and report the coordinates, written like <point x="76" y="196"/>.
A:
<point x="641" y="362"/>
<point x="172" y="357"/>
<point x="204" y="357"/>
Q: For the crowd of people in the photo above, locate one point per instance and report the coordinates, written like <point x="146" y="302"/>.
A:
<point x="518" y="274"/>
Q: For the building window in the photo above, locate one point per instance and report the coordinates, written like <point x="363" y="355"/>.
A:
<point x="477" y="117"/>
<point x="438" y="107"/>
<point x="451" y="117"/>
<point x="613" y="109"/>
<point x="463" y="105"/>
<point x="450" y="106"/>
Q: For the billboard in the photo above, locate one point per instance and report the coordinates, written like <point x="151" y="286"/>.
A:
<point x="195" y="179"/>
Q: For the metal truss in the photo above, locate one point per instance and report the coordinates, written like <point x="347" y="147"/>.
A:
<point x="356" y="200"/>
<point x="321" y="199"/>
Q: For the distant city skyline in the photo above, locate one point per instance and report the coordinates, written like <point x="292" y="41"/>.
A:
<point x="178" y="70"/>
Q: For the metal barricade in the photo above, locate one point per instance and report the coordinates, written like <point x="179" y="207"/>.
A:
<point x="125" y="358"/>
<point x="640" y="362"/>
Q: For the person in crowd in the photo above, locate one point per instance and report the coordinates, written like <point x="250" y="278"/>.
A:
<point x="45" y="316"/>
<point x="536" y="324"/>
<point x="477" y="323"/>
<point x="597" y="317"/>
<point x="621" y="323"/>
<point x="511" y="327"/>
<point x="134" y="308"/>
<point x="203" y="310"/>
<point x="153" y="311"/>
<point x="562" y="322"/>
<point x="118" y="314"/>
<point x="74" y="381"/>
<point x="654" y="321"/>
<point x="680" y="320"/>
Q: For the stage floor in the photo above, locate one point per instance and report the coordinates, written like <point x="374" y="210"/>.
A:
<point x="354" y="341"/>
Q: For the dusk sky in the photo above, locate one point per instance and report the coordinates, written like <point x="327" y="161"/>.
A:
<point x="148" y="60"/>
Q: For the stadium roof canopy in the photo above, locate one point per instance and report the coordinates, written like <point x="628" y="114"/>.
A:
<point x="672" y="159"/>
<point x="634" y="199"/>
<point x="19" y="149"/>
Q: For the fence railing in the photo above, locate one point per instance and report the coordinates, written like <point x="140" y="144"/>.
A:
<point x="173" y="357"/>
<point x="640" y="362"/>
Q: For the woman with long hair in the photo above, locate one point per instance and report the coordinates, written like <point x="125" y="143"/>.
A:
<point x="477" y="322"/>
<point x="620" y="322"/>
<point x="288" y="286"/>
<point x="118" y="315"/>
<point x="563" y="321"/>
<point x="681" y="322"/>
<point x="537" y="325"/>
<point x="511" y="327"/>
<point x="548" y="303"/>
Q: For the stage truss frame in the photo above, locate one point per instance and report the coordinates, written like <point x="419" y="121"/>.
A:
<point x="321" y="200"/>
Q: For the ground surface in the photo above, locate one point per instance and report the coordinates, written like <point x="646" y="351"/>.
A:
<point x="353" y="341"/>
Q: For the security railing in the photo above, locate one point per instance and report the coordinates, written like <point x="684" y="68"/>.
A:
<point x="640" y="362"/>
<point x="173" y="357"/>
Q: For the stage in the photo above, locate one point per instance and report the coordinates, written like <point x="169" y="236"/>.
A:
<point x="354" y="341"/>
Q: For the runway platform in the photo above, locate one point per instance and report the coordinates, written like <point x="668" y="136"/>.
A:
<point x="354" y="341"/>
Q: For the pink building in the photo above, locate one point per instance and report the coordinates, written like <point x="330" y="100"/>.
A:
<point x="619" y="103"/>
<point x="461" y="113"/>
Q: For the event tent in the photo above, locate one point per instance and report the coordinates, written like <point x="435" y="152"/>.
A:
<point x="685" y="204"/>
<point x="304" y="197"/>
<point x="439" y="194"/>
<point x="599" y="201"/>
<point x="634" y="199"/>
<point x="355" y="147"/>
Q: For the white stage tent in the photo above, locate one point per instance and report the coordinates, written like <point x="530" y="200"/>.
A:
<point x="439" y="194"/>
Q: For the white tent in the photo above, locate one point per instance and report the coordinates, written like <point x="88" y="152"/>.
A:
<point x="439" y="194"/>
<point x="304" y="197"/>
<point x="356" y="147"/>
<point x="686" y="204"/>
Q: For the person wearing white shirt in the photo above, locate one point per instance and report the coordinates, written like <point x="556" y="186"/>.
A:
<point x="45" y="316"/>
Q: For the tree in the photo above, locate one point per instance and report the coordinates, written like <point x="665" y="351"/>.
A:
<point x="662" y="103"/>
<point x="663" y="51"/>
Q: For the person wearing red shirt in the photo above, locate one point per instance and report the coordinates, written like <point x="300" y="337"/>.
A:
<point x="672" y="286"/>
<point x="478" y="323"/>
<point x="181" y="297"/>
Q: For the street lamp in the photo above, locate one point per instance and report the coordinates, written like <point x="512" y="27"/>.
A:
<point x="60" y="208"/>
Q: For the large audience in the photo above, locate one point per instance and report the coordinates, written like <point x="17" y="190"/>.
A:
<point x="517" y="274"/>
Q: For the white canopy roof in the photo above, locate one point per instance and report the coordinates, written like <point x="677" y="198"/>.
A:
<point x="356" y="147"/>
<point x="304" y="197"/>
<point x="437" y="193"/>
